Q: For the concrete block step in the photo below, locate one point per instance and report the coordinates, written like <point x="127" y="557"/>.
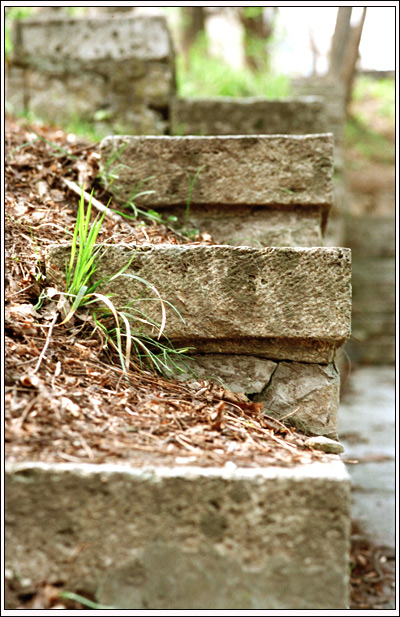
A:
<point x="183" y="537"/>
<point x="48" y="44"/>
<point x="229" y="183"/>
<point x="279" y="303"/>
<point x="247" y="116"/>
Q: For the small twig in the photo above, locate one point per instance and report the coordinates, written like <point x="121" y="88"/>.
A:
<point x="97" y="204"/>
<point x="39" y="362"/>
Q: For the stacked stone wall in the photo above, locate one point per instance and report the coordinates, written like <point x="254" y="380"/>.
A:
<point x="117" y="74"/>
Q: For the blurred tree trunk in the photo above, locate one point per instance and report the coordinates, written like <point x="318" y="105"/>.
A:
<point x="344" y="52"/>
<point x="258" y="23"/>
<point x="193" y="21"/>
<point x="340" y="41"/>
<point x="352" y="55"/>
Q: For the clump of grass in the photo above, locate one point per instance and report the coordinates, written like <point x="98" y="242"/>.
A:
<point x="117" y="324"/>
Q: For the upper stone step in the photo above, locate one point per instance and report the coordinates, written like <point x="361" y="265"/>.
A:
<point x="51" y="44"/>
<point x="248" y="116"/>
<point x="268" y="171"/>
<point x="279" y="303"/>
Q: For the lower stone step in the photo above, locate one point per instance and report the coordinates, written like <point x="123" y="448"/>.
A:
<point x="279" y="303"/>
<point x="265" y="322"/>
<point x="183" y="537"/>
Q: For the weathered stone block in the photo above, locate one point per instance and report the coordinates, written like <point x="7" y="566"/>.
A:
<point x="51" y="44"/>
<point x="307" y="395"/>
<point x="279" y="303"/>
<point x="266" y="171"/>
<point x="238" y="373"/>
<point x="183" y="538"/>
<point x="122" y="70"/>
<point x="248" y="226"/>
<point x="334" y="97"/>
<point x="69" y="94"/>
<point x="247" y="116"/>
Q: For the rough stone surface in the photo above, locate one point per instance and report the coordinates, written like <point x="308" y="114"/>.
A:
<point x="311" y="391"/>
<point x="325" y="444"/>
<point x="307" y="395"/>
<point x="267" y="171"/>
<point x="257" y="227"/>
<point x="119" y="78"/>
<point x="187" y="538"/>
<point x="247" y="116"/>
<point x="238" y="373"/>
<point x="51" y="44"/>
<point x="279" y="303"/>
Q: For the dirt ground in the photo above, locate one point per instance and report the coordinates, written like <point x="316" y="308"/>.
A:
<point x="66" y="396"/>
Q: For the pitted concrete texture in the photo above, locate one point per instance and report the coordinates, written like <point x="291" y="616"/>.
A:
<point x="187" y="538"/>
<point x="279" y="303"/>
<point x="256" y="226"/>
<point x="247" y="116"/>
<point x="119" y="78"/>
<point x="277" y="171"/>
<point x="51" y="44"/>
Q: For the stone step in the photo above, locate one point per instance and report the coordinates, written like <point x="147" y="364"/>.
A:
<point x="247" y="116"/>
<point x="119" y="78"/>
<point x="183" y="537"/>
<point x="249" y="189"/>
<point x="279" y="303"/>
<point x="48" y="44"/>
<point x="265" y="322"/>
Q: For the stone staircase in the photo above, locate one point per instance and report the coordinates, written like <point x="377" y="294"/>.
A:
<point x="266" y="311"/>
<point x="267" y="321"/>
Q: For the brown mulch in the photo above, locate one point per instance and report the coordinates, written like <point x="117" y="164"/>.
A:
<point x="66" y="397"/>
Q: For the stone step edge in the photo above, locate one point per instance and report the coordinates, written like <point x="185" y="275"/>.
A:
<point x="204" y="519"/>
<point x="246" y="170"/>
<point x="289" y="304"/>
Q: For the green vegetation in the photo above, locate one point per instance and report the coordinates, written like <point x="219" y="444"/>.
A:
<point x="369" y="143"/>
<point x="13" y="13"/>
<point x="107" y="176"/>
<point x="116" y="324"/>
<point x="382" y="91"/>
<point x="206" y="77"/>
<point x="370" y="129"/>
<point x="70" y="595"/>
